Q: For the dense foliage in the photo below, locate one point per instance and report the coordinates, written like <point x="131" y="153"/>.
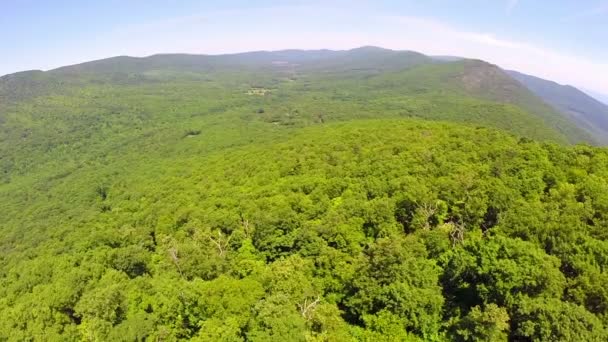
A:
<point x="304" y="209"/>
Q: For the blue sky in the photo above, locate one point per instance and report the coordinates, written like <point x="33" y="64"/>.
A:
<point x="565" y="40"/>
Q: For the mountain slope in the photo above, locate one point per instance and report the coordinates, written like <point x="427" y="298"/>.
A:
<point x="484" y="81"/>
<point x="491" y="82"/>
<point x="581" y="108"/>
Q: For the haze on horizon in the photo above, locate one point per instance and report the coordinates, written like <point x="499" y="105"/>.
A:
<point x="542" y="38"/>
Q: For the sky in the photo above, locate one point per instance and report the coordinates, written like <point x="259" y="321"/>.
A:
<point x="562" y="40"/>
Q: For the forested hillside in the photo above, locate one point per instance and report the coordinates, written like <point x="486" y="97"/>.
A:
<point x="364" y="195"/>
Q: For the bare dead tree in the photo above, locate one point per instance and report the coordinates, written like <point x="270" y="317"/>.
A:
<point x="307" y="308"/>
<point x="220" y="242"/>
<point x="245" y="224"/>
<point x="162" y="334"/>
<point x="428" y="210"/>
<point x="457" y="233"/>
<point x="246" y="228"/>
<point x="174" y="256"/>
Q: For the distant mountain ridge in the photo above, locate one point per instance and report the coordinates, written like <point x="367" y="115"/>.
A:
<point x="586" y="111"/>
<point x="363" y="57"/>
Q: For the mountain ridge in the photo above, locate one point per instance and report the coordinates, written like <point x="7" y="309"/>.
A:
<point x="479" y="79"/>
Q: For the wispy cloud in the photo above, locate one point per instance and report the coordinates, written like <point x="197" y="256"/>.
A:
<point x="440" y="29"/>
<point x="511" y="5"/>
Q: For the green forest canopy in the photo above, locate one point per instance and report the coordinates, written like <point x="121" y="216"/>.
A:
<point x="168" y="208"/>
